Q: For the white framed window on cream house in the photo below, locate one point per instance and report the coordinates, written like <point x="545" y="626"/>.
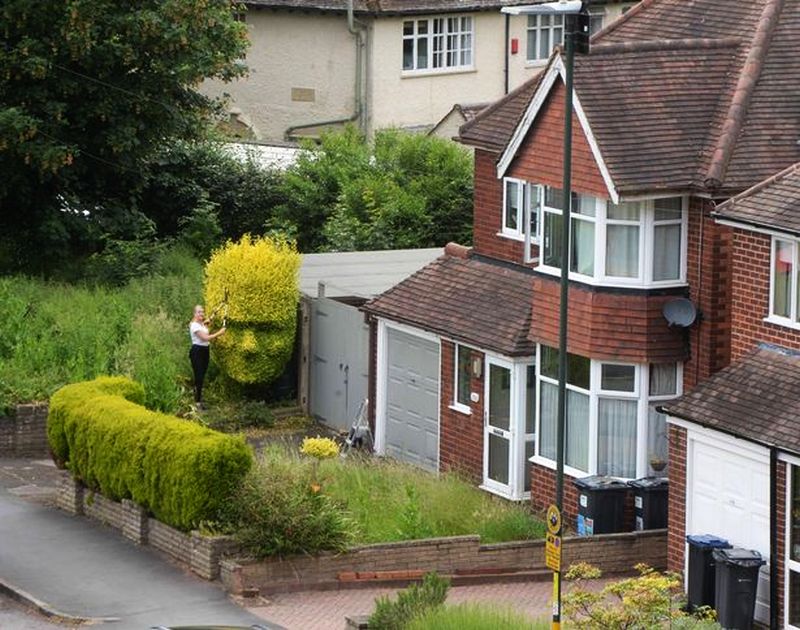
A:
<point x="438" y="44"/>
<point x="544" y="32"/>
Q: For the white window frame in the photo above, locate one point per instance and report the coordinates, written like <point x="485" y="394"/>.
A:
<point x="443" y="39"/>
<point x="519" y="437"/>
<point x="518" y="232"/>
<point x="647" y="224"/>
<point x="789" y="565"/>
<point x="529" y="215"/>
<point x="533" y="25"/>
<point x="794" y="312"/>
<point x="596" y="393"/>
<point x="457" y="405"/>
<point x="594" y="13"/>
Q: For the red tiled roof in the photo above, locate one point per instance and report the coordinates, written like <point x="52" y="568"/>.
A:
<point x="477" y="301"/>
<point x="388" y="7"/>
<point x="757" y="398"/>
<point x="773" y="203"/>
<point x="682" y="95"/>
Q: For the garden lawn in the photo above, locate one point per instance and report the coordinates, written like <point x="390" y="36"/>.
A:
<point x="391" y="501"/>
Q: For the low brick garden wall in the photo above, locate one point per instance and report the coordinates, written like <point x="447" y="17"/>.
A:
<point x="24" y="434"/>
<point x="457" y="556"/>
<point x="202" y="554"/>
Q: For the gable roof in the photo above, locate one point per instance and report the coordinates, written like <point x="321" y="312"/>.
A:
<point x="473" y="300"/>
<point x="389" y="7"/>
<point x="773" y="203"/>
<point x="681" y="96"/>
<point x="756" y="398"/>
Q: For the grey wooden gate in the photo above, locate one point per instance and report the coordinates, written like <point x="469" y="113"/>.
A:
<point x="339" y="362"/>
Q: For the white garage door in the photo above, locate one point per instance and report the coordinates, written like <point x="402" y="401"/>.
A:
<point x="412" y="399"/>
<point x="728" y="496"/>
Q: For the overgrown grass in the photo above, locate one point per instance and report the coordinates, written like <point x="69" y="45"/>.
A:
<point x="52" y="333"/>
<point x="390" y="501"/>
<point x="472" y="616"/>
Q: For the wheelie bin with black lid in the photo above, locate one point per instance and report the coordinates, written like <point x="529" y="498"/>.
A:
<point x="650" y="500"/>
<point x="736" y="585"/>
<point x="601" y="505"/>
<point x="702" y="576"/>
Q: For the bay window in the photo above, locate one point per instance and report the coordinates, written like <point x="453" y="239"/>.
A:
<point x="633" y="243"/>
<point x="612" y="427"/>
<point x="440" y="43"/>
<point x="784" y="289"/>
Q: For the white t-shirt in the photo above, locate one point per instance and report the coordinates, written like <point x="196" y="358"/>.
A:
<point x="194" y="328"/>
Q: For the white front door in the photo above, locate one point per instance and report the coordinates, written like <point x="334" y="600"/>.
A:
<point x="498" y="426"/>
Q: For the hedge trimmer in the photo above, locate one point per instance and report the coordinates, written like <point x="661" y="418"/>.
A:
<point x="221" y="306"/>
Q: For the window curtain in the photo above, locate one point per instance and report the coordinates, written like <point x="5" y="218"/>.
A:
<point x="582" y="254"/>
<point x="577" y="436"/>
<point x="622" y="251"/>
<point x="663" y="379"/>
<point x="616" y="439"/>
<point x="667" y="252"/>
<point x="547" y="420"/>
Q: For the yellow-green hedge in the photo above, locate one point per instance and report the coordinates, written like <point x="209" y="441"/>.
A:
<point x="181" y="472"/>
<point x="258" y="276"/>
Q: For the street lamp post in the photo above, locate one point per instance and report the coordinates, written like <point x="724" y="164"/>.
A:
<point x="576" y="32"/>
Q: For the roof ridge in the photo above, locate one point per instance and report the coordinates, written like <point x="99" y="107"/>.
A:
<point x="665" y="44"/>
<point x="765" y="183"/>
<point x="745" y="86"/>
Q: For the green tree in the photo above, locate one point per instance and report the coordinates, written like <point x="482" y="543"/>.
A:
<point x="401" y="191"/>
<point x="89" y="89"/>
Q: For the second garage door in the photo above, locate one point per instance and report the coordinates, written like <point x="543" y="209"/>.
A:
<point x="412" y="399"/>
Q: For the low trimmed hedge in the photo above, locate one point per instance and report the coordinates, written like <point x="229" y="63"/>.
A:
<point x="181" y="472"/>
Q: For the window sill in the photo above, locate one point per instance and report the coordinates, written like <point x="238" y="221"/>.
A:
<point x="525" y="496"/>
<point x="781" y="321"/>
<point x="414" y="74"/>
<point x="535" y="63"/>
<point x="516" y="237"/>
<point x="549" y="463"/>
<point x="612" y="283"/>
<point x="463" y="409"/>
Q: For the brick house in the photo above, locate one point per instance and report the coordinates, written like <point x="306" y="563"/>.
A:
<point x="735" y="439"/>
<point x="679" y="107"/>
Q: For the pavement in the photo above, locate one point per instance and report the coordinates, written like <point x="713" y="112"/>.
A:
<point x="81" y="568"/>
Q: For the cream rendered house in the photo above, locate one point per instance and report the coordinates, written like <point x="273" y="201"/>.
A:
<point x="380" y="63"/>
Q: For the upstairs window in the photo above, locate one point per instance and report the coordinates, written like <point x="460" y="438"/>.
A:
<point x="442" y="43"/>
<point x="785" y="293"/>
<point x="637" y="243"/>
<point x="521" y="209"/>
<point x="545" y="32"/>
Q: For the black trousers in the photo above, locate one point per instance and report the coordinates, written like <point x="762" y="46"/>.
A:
<point x="199" y="356"/>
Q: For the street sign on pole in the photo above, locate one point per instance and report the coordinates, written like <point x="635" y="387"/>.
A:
<point x="552" y="552"/>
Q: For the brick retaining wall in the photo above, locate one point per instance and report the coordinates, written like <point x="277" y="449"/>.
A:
<point x="460" y="555"/>
<point x="202" y="554"/>
<point x="24" y="434"/>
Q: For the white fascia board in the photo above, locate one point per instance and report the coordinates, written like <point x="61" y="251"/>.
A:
<point x="555" y="70"/>
<point x="755" y="228"/>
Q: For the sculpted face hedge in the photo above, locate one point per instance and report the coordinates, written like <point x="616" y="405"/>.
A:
<point x="259" y="277"/>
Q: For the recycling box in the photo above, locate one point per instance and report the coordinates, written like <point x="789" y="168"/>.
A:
<point x="601" y="505"/>
<point x="650" y="502"/>
<point x="702" y="570"/>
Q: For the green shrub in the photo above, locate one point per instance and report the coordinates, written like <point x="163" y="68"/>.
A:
<point x="238" y="415"/>
<point x="474" y="617"/>
<point x="412" y="602"/>
<point x="277" y="512"/>
<point x="181" y="472"/>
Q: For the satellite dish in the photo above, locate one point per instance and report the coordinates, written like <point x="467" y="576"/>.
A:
<point x="680" y="312"/>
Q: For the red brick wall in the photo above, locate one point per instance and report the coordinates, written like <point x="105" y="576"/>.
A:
<point x="488" y="212"/>
<point x="750" y="296"/>
<point x="709" y="277"/>
<point x="460" y="435"/>
<point x="608" y="324"/>
<point x="677" y="499"/>
<point x="540" y="158"/>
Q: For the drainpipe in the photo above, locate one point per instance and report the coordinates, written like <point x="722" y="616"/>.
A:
<point x="773" y="538"/>
<point x="358" y="31"/>
<point x="505" y="69"/>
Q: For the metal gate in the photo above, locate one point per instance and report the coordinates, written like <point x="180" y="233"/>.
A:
<point x="339" y="362"/>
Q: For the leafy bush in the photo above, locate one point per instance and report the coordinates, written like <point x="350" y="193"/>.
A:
<point x="649" y="600"/>
<point x="181" y="472"/>
<point x="277" y="512"/>
<point x="412" y="602"/>
<point x="474" y="617"/>
<point x="257" y="278"/>
<point x="403" y="190"/>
